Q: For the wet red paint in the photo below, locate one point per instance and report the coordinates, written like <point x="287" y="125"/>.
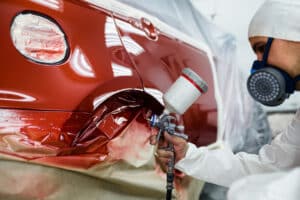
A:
<point x="61" y="87"/>
<point x="79" y="140"/>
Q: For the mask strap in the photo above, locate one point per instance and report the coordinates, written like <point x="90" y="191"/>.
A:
<point x="292" y="85"/>
<point x="267" y="49"/>
<point x="297" y="78"/>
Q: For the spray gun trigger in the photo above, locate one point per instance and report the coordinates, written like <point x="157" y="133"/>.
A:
<point x="181" y="135"/>
<point x="180" y="128"/>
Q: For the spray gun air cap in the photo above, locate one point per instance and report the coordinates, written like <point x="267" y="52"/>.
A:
<point x="184" y="92"/>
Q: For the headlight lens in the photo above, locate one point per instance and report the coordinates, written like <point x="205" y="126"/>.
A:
<point x="39" y="38"/>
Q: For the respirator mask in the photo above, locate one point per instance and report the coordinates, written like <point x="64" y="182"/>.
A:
<point x="268" y="84"/>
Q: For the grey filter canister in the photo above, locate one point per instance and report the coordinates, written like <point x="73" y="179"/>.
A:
<point x="267" y="86"/>
<point x="184" y="92"/>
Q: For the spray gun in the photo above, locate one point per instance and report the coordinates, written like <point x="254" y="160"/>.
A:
<point x="178" y="98"/>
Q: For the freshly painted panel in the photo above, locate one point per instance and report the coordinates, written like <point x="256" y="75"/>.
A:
<point x="97" y="62"/>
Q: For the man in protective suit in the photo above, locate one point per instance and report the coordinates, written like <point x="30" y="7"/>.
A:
<point x="274" y="34"/>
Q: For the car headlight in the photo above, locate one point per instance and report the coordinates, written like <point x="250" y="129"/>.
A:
<point x="39" y="38"/>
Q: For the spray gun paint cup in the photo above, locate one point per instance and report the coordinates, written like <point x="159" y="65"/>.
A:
<point x="184" y="92"/>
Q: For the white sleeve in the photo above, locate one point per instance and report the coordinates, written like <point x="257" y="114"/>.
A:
<point x="222" y="167"/>
<point x="269" y="186"/>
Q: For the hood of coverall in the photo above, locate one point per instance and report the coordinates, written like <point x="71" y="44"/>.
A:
<point x="278" y="19"/>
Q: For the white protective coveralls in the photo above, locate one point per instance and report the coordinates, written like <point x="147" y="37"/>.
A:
<point x="222" y="167"/>
<point x="278" y="19"/>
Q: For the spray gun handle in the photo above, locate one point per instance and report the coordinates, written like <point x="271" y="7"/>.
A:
<point x="170" y="168"/>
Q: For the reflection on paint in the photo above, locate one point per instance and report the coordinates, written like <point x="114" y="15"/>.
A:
<point x="119" y="70"/>
<point x="111" y="34"/>
<point x="100" y="99"/>
<point x="10" y="121"/>
<point x="112" y="38"/>
<point x="52" y="4"/>
<point x="134" y="27"/>
<point x="6" y="95"/>
<point x="81" y="65"/>
<point x="157" y="94"/>
<point x="131" y="46"/>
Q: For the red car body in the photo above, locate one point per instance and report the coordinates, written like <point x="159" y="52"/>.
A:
<point x="43" y="107"/>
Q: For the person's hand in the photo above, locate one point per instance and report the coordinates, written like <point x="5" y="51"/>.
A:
<point x="163" y="155"/>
